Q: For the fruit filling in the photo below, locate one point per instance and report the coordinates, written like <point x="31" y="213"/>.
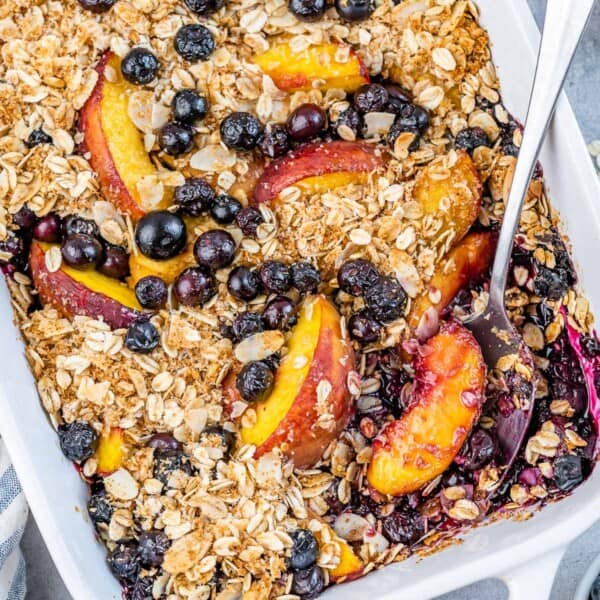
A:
<point x="240" y="240"/>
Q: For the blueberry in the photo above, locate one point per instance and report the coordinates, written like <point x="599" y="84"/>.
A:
<point x="241" y="131"/>
<point x="81" y="251"/>
<point x="24" y="218"/>
<point x="305" y="122"/>
<point x="142" y="337"/>
<point x="37" y="137"/>
<point x="164" y="442"/>
<point x="398" y="99"/>
<point x="355" y="277"/>
<point x="73" y="224"/>
<point x="151" y="292"/>
<point x="140" y="66"/>
<point x="176" y="139"/>
<point x="307" y="10"/>
<point x="167" y="462"/>
<point x="99" y="508"/>
<point x="372" y="97"/>
<point x="142" y="589"/>
<point x="403" y="527"/>
<point x="386" y="299"/>
<point x="305" y="277"/>
<point x="280" y="313"/>
<point x="152" y="546"/>
<point x="305" y="550"/>
<point x="275" y="142"/>
<point x="551" y="283"/>
<point x="308" y="583"/>
<point x="224" y="209"/>
<point x="97" y="6"/>
<point x="115" y="262"/>
<point x="204" y="7"/>
<point x="243" y="283"/>
<point x="215" y="436"/>
<point x="246" y="324"/>
<point x="189" y="106"/>
<point x="160" y="234"/>
<point x="248" y="219"/>
<point x="477" y="451"/>
<point x="77" y="440"/>
<point x="255" y="381"/>
<point x="354" y="10"/>
<point x="412" y="119"/>
<point x="194" y="197"/>
<point x="470" y="138"/>
<point x="48" y="228"/>
<point x="363" y="328"/>
<point x="13" y="246"/>
<point x="194" y="286"/>
<point x="349" y="119"/>
<point x="275" y="276"/>
<point x="215" y="249"/>
<point x="568" y="472"/>
<point x="194" y="42"/>
<point x="123" y="562"/>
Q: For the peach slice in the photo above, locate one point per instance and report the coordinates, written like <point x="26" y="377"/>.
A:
<point x="343" y="162"/>
<point x="142" y="266"/>
<point x="310" y="403"/>
<point x="464" y="264"/>
<point x="115" y="145"/>
<point x="451" y="190"/>
<point x="445" y="403"/>
<point x="350" y="566"/>
<point x="330" y="65"/>
<point x="110" y="452"/>
<point x="88" y="293"/>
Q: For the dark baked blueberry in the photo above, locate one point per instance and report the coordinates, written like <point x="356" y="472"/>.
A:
<point x="152" y="546"/>
<point x="350" y="119"/>
<point x="568" y="472"/>
<point x="189" y="106"/>
<point x="246" y="324"/>
<point x="97" y="6"/>
<point x="77" y="440"/>
<point x="477" y="451"/>
<point x="214" y="249"/>
<point x="81" y="251"/>
<point x="142" y="589"/>
<point x="275" y="276"/>
<point x="140" y="66"/>
<point x="356" y="276"/>
<point x="404" y="527"/>
<point x="151" y="292"/>
<point x="194" y="286"/>
<point x="307" y="10"/>
<point x="123" y="562"/>
<point x="470" y="138"/>
<point x="175" y="139"/>
<point x="194" y="197"/>
<point x="412" y="119"/>
<point x="73" y="224"/>
<point x="305" y="122"/>
<point x="398" y="99"/>
<point x="224" y="209"/>
<point x="164" y="442"/>
<point x="372" y="97"/>
<point x="99" y="508"/>
<point x="354" y="10"/>
<point x="37" y="137"/>
<point x="14" y="246"/>
<point x="115" y="262"/>
<point x="204" y="7"/>
<point x="142" y="337"/>
<point x="160" y="234"/>
<point x="248" y="219"/>
<point x="275" y="141"/>
<point x="280" y="313"/>
<point x="386" y="299"/>
<point x="305" y="550"/>
<point x="551" y="283"/>
<point x="24" y="218"/>
<point x="48" y="228"/>
<point x="305" y="277"/>
<point x="215" y="436"/>
<point x="168" y="462"/>
<point x="243" y="283"/>
<point x="364" y="328"/>
<point x="194" y="42"/>
<point x="254" y="381"/>
<point x="241" y="131"/>
<point x="308" y="583"/>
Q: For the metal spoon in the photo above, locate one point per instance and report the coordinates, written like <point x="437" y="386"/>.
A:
<point x="564" y="23"/>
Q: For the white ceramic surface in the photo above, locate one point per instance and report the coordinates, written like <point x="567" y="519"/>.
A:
<point x="529" y="552"/>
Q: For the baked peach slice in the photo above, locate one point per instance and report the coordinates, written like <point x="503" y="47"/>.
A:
<point x="350" y="566"/>
<point x="113" y="143"/>
<point x="142" y="266"/>
<point x="110" y="452"/>
<point x="444" y="405"/>
<point x="318" y="166"/>
<point x="323" y="65"/>
<point x="87" y="293"/>
<point x="310" y="403"/>
<point x="450" y="188"/>
<point x="464" y="265"/>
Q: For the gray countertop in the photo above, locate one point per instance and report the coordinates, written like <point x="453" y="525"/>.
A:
<point x="583" y="88"/>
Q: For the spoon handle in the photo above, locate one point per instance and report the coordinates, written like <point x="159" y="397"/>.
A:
<point x="564" y="23"/>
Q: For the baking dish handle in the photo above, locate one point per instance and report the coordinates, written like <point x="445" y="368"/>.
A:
<point x="534" y="580"/>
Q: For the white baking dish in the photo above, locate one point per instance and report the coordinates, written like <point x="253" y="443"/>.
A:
<point x="528" y="551"/>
